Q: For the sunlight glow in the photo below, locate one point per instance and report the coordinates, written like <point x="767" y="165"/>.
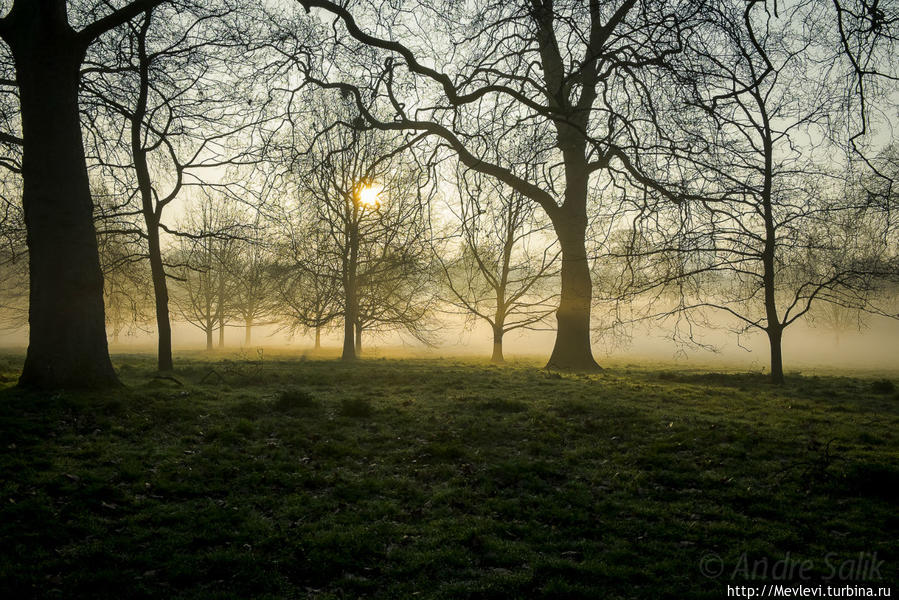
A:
<point x="368" y="195"/>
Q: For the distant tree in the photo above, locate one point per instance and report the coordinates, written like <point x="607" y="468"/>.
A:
<point x="207" y="250"/>
<point x="254" y="286"/>
<point x="13" y="256"/>
<point x="397" y="291"/>
<point x="506" y="262"/>
<point x="126" y="287"/>
<point x="767" y="223"/>
<point x="837" y="319"/>
<point x="397" y="272"/>
<point x="367" y="199"/>
<point x="14" y="293"/>
<point x="308" y="290"/>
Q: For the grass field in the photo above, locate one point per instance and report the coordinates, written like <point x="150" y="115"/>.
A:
<point x="290" y="478"/>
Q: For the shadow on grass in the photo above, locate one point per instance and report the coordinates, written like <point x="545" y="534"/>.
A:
<point x="737" y="380"/>
<point x="453" y="480"/>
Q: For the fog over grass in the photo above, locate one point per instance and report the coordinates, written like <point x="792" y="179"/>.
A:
<point x="874" y="348"/>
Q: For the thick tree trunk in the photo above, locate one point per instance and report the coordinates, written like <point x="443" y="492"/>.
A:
<point x="349" y="343"/>
<point x="248" y="332"/>
<point x="775" y="337"/>
<point x="221" y="334"/>
<point x="209" y="338"/>
<point x="572" y="348"/>
<point x="349" y="319"/>
<point x="67" y="335"/>
<point x="318" y="338"/>
<point x="774" y="327"/>
<point x="358" y="329"/>
<point x="497" y="356"/>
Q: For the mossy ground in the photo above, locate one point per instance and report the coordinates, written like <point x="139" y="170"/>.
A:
<point x="294" y="478"/>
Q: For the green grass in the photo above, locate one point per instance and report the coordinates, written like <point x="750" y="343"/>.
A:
<point x="287" y="478"/>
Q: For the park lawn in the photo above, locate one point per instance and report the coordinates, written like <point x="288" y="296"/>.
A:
<point x="286" y="477"/>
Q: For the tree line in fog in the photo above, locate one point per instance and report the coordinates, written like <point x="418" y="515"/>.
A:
<point x="365" y="168"/>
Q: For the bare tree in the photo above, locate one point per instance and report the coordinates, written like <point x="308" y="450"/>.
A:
<point x="307" y="289"/>
<point x="837" y="319"/>
<point x="67" y="334"/>
<point x="13" y="257"/>
<point x="126" y="288"/>
<point x="768" y="224"/>
<point x="397" y="291"/>
<point x="178" y="100"/>
<point x="14" y="293"/>
<point x="575" y="75"/>
<point x="13" y="244"/>
<point x="506" y="263"/>
<point x="253" y="297"/>
<point x="208" y="246"/>
<point x="397" y="271"/>
<point x="368" y="202"/>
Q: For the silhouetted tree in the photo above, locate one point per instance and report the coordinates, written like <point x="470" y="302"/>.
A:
<point x="575" y="76"/>
<point x="506" y="263"/>
<point x="308" y="290"/>
<point x="210" y="234"/>
<point x="767" y="224"/>
<point x="182" y="98"/>
<point x="67" y="334"/>
<point x="126" y="287"/>
<point x="13" y="255"/>
<point x="837" y="319"/>
<point x="367" y="199"/>
<point x="253" y="297"/>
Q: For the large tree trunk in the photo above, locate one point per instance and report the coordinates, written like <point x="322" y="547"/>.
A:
<point x="497" y="356"/>
<point x="248" y="330"/>
<point x="318" y="338"/>
<point x="774" y="328"/>
<point x="209" y="338"/>
<point x="358" y="329"/>
<point x="775" y="337"/>
<point x="572" y="348"/>
<point x="67" y="336"/>
<point x="349" y="343"/>
<point x="349" y="319"/>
